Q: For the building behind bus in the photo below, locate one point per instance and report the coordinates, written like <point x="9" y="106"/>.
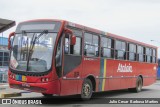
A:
<point x="4" y="58"/>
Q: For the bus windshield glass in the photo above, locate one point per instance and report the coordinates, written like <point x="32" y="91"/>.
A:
<point x="32" y="51"/>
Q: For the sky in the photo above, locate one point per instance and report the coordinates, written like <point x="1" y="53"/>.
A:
<point x="135" y="19"/>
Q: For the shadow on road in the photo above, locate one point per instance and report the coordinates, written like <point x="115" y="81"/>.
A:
<point x="75" y="99"/>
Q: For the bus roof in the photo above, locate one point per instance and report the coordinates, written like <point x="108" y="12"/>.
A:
<point x="97" y="31"/>
<point x="130" y="40"/>
<point x="110" y="34"/>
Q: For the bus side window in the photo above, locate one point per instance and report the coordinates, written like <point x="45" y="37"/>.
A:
<point x="151" y="55"/>
<point x="144" y="54"/>
<point x="140" y="54"/>
<point x="88" y="51"/>
<point x="72" y="49"/>
<point x="120" y="50"/>
<point x="77" y="46"/>
<point x="132" y="52"/>
<point x="106" y="47"/>
<point x="91" y="45"/>
<point x="154" y="56"/>
<point x="148" y="55"/>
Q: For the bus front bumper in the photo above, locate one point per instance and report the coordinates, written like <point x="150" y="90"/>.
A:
<point x="52" y="87"/>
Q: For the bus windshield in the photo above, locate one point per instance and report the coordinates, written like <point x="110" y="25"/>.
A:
<point x="32" y="51"/>
<point x="32" y="46"/>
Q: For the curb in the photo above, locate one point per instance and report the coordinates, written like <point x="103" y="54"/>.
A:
<point x="6" y="95"/>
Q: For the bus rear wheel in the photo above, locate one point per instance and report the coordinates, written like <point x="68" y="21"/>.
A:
<point x="139" y="84"/>
<point x="87" y="89"/>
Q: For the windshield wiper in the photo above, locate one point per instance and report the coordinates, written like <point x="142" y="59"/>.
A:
<point x="36" y="38"/>
<point x="33" y="42"/>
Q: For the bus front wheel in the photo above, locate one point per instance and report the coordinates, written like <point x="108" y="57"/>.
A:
<point x="139" y="84"/>
<point x="87" y="89"/>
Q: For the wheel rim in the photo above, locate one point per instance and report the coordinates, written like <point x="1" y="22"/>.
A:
<point x="86" y="90"/>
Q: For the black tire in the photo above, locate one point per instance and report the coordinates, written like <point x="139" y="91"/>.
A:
<point x="47" y="95"/>
<point x="87" y="89"/>
<point x="139" y="84"/>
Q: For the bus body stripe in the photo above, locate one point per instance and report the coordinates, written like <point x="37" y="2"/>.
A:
<point x="101" y="74"/>
<point x="104" y="75"/>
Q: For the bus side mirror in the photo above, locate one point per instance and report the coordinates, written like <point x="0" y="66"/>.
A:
<point x="10" y="39"/>
<point x="73" y="40"/>
<point x="73" y="37"/>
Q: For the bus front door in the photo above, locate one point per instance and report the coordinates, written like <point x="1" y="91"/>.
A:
<point x="71" y="66"/>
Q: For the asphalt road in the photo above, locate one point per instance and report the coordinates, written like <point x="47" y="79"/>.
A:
<point x="152" y="91"/>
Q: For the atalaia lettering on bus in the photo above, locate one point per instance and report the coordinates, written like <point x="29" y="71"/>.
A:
<point x="124" y="68"/>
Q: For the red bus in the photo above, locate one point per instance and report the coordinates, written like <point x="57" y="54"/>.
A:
<point x="57" y="57"/>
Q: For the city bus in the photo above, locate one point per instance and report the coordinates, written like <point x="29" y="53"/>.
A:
<point x="60" y="58"/>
